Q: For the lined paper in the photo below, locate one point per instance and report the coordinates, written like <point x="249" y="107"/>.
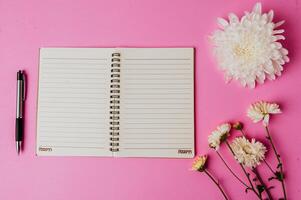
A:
<point x="157" y="103"/>
<point x="73" y="106"/>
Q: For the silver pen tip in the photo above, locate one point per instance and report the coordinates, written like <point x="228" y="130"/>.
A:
<point x="18" y="147"/>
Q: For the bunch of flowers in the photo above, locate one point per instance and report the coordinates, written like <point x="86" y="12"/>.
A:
<point x="249" y="153"/>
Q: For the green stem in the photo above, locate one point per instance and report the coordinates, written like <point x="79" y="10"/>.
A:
<point x="267" y="164"/>
<point x="243" y="133"/>
<point x="216" y="183"/>
<point x="278" y="159"/>
<point x="231" y="170"/>
<point x="262" y="183"/>
<point x="245" y="172"/>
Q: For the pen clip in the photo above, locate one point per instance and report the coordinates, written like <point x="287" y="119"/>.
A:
<point x="24" y="86"/>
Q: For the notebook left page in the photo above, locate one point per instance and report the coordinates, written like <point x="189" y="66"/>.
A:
<point x="73" y="102"/>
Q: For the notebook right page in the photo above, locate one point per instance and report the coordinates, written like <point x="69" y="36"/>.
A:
<point x="157" y="102"/>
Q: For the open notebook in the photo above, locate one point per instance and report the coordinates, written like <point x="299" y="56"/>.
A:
<point x="127" y="102"/>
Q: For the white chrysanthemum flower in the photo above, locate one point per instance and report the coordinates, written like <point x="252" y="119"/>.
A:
<point x="261" y="111"/>
<point x="248" y="49"/>
<point x="248" y="153"/>
<point x="199" y="164"/>
<point x="219" y="135"/>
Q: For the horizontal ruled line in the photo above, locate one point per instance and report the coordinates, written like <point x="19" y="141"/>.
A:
<point x="161" y="73"/>
<point x="73" y="64"/>
<point x="158" y="64"/>
<point x="163" y="108"/>
<point x="69" y="127"/>
<point x="153" y="118"/>
<point x="158" y="88"/>
<point x="75" y="73"/>
<point x="71" y="58"/>
<point x="71" y="89"/>
<point x="60" y="136"/>
<point x="70" y="117"/>
<point x="146" y="143"/>
<point x="157" y="138"/>
<point x="65" y="122"/>
<point x="155" y="133"/>
<point x="153" y="69"/>
<point x="159" y="98"/>
<point x="59" y="69"/>
<point x="64" y="78"/>
<point x="157" y="59"/>
<point x="154" y="128"/>
<point x="64" y="132"/>
<point x="162" y="84"/>
<point x="74" y="97"/>
<point x="63" y="81"/>
<point x="82" y="66"/>
<point x="159" y="78"/>
<point x="158" y="123"/>
<point x="69" y="142"/>
<point x="155" y="148"/>
<point x="152" y="93"/>
<point x="72" y="112"/>
<point x="75" y="147"/>
<point x="156" y="103"/>
<point x="157" y="113"/>
<point x="72" y="102"/>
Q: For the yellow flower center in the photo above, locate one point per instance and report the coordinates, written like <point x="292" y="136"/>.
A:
<point x="244" y="51"/>
<point x="247" y="48"/>
<point x="247" y="150"/>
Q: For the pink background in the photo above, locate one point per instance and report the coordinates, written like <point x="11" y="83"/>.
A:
<point x="25" y="26"/>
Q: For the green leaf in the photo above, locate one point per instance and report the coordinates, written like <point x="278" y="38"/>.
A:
<point x="279" y="165"/>
<point x="279" y="176"/>
<point x="260" y="188"/>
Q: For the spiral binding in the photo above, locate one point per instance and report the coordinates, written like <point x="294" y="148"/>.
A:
<point x="115" y="102"/>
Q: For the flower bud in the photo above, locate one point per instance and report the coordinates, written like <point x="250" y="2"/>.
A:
<point x="238" y="126"/>
<point x="199" y="164"/>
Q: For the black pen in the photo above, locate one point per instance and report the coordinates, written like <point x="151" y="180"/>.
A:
<point x="20" y="110"/>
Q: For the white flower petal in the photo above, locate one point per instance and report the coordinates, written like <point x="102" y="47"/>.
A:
<point x="280" y="37"/>
<point x="217" y="136"/>
<point x="250" y="154"/>
<point x="260" y="78"/>
<point x="233" y="18"/>
<point x="248" y="49"/>
<point x="222" y="22"/>
<point x="284" y="51"/>
<point x="255" y="116"/>
<point x="278" y="31"/>
<point x="273" y="108"/>
<point x="268" y="67"/>
<point x="265" y="120"/>
<point x="257" y="8"/>
<point x="279" y="23"/>
<point x="260" y="111"/>
<point x="271" y="15"/>
<point x="251" y="84"/>
<point x="271" y="76"/>
<point x="286" y="59"/>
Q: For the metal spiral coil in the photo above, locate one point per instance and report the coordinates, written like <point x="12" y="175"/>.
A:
<point x="115" y="102"/>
